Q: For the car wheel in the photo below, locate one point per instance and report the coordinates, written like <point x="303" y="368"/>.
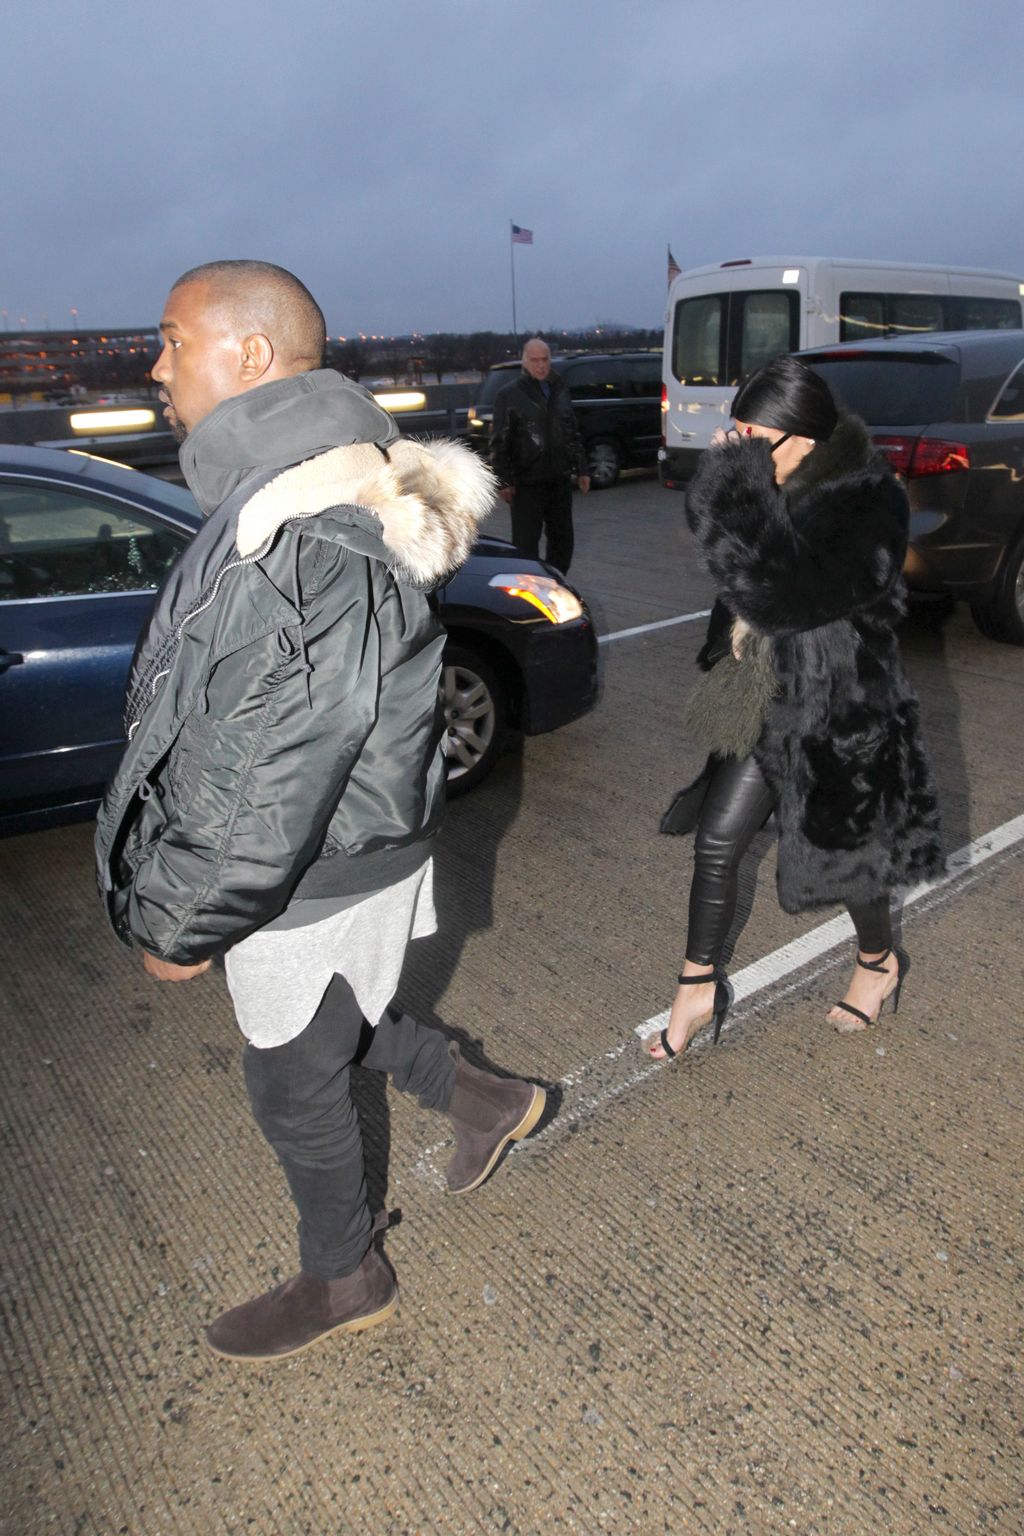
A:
<point x="473" y="701"/>
<point x="1001" y="614"/>
<point x="605" y="464"/>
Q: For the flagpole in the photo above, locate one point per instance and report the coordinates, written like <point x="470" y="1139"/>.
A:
<point x="512" y="261"/>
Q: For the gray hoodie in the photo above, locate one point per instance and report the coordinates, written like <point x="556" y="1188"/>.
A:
<point x="283" y="722"/>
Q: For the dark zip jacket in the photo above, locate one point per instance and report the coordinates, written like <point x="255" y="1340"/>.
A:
<point x="534" y="437"/>
<point x="284" y="730"/>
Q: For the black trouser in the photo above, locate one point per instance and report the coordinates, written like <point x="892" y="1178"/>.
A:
<point x="548" y="506"/>
<point x="736" y="807"/>
<point x="299" y="1094"/>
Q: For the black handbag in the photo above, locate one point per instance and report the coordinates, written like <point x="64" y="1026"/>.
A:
<point x="684" y="812"/>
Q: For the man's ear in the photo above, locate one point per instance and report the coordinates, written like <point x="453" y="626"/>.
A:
<point x="257" y="357"/>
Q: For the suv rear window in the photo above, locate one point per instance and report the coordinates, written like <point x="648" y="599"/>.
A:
<point x="895" y="390"/>
<point x="598" y="378"/>
<point x="496" y="379"/>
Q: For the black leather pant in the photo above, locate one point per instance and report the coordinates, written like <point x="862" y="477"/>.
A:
<point x="736" y="807"/>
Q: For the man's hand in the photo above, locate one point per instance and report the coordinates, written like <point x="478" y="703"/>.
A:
<point x="506" y="493"/>
<point x="583" y="481"/>
<point x="166" y="970"/>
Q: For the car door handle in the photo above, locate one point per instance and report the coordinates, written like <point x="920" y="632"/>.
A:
<point x="10" y="659"/>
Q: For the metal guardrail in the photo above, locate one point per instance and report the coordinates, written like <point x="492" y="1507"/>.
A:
<point x="154" y="449"/>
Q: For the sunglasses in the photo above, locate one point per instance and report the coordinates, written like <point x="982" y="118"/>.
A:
<point x="736" y="436"/>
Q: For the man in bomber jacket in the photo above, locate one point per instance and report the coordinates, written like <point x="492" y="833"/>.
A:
<point x="283" y="779"/>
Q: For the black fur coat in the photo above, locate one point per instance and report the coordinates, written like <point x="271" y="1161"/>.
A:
<point x="817" y="567"/>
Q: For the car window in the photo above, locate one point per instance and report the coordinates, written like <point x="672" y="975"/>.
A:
<point x="595" y="378"/>
<point x="61" y="543"/>
<point x="643" y="375"/>
<point x="495" y="380"/>
<point x="894" y="390"/>
<point x="1010" y="405"/>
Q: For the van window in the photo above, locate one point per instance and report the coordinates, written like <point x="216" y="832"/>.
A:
<point x="894" y="389"/>
<point x="768" y="324"/>
<point x="983" y="314"/>
<point x="914" y="312"/>
<point x="863" y="315"/>
<point x="697" y="340"/>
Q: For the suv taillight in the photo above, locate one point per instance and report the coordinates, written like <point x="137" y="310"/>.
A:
<point x="913" y="457"/>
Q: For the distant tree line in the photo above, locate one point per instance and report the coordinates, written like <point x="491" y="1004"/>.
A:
<point x="50" y="364"/>
<point x="444" y="352"/>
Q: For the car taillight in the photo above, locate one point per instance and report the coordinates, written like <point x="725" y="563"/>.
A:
<point x="913" y="457"/>
<point x="898" y="450"/>
<point x="936" y="456"/>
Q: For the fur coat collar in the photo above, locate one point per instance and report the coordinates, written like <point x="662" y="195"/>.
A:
<point x="415" y="505"/>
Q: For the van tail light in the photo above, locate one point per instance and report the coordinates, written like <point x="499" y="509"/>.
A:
<point x="913" y="457"/>
<point x="664" y="412"/>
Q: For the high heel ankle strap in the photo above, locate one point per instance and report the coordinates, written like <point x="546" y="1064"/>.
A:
<point x="715" y="975"/>
<point x="874" y="965"/>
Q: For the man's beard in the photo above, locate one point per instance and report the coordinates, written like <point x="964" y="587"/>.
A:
<point x="178" y="431"/>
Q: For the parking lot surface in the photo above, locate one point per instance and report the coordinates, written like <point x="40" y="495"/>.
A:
<point x="773" y="1287"/>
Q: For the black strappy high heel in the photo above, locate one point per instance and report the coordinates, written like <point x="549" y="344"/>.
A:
<point x="723" y="997"/>
<point x="902" y="967"/>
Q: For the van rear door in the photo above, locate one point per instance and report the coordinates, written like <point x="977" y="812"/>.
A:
<point x="714" y="340"/>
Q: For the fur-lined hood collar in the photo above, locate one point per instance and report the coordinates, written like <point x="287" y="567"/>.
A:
<point x="849" y="451"/>
<point x="415" y="506"/>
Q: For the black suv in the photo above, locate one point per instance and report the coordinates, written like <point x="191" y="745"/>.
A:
<point x="616" y="397"/>
<point x="948" y="412"/>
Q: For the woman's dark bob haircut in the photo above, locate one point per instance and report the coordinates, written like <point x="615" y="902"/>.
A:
<point x="788" y="395"/>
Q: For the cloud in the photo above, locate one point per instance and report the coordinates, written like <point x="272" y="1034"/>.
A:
<point x="380" y="151"/>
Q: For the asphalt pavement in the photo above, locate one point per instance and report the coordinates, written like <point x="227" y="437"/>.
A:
<point x="773" y="1287"/>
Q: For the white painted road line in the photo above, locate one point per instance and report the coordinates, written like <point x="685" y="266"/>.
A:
<point x="645" y="629"/>
<point x="594" y="1083"/>
<point x="839" y="930"/>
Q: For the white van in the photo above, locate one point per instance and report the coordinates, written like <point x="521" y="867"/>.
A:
<point x="724" y="321"/>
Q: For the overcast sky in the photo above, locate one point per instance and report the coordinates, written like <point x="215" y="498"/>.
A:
<point x="379" y="148"/>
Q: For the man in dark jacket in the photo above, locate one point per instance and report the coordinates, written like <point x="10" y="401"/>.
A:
<point x="536" y="449"/>
<point x="283" y="778"/>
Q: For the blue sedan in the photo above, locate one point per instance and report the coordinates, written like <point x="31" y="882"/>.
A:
<point x="84" y="544"/>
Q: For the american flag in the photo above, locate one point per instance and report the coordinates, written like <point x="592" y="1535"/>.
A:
<point x="674" y="268"/>
<point x="521" y="236"/>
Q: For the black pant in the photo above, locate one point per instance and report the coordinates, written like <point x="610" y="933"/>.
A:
<point x="736" y="807"/>
<point x="299" y="1094"/>
<point x="548" y="506"/>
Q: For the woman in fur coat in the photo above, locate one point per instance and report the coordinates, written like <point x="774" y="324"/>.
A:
<point x="803" y="703"/>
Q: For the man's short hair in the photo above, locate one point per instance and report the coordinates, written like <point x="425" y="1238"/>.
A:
<point x="264" y="298"/>
<point x="536" y="341"/>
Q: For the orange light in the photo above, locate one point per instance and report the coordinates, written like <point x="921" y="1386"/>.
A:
<point x="531" y="597"/>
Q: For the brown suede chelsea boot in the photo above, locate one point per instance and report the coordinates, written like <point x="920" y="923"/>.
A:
<point x="304" y="1309"/>
<point x="487" y="1112"/>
